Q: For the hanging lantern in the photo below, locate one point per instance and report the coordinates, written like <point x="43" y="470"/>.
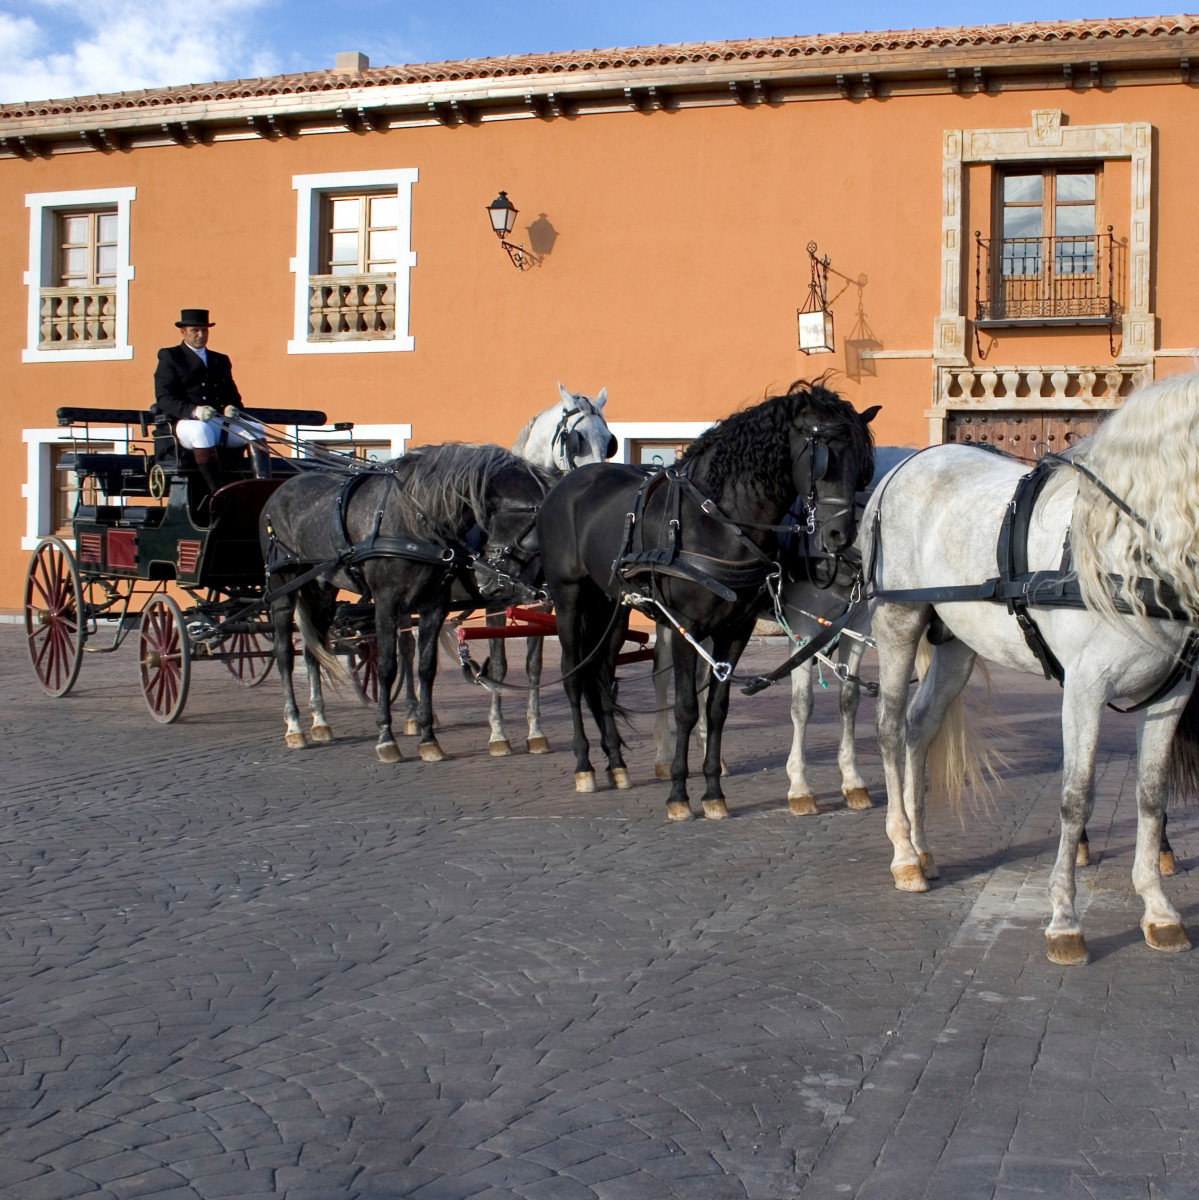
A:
<point x="503" y="215"/>
<point x="815" y="319"/>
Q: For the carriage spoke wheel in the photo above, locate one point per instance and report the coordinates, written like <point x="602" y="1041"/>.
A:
<point x="249" y="656"/>
<point x="54" y="629"/>
<point x="164" y="656"/>
<point x="363" y="662"/>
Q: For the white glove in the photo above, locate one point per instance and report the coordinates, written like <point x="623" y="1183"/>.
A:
<point x="205" y="412"/>
<point x="232" y="412"/>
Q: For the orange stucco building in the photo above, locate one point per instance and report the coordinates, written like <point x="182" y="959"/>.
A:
<point x="1005" y="212"/>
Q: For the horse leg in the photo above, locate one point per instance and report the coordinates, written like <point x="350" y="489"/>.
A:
<point x="948" y="673"/>
<point x="536" y="742"/>
<point x="602" y="698"/>
<point x="686" y="714"/>
<point x="897" y="632"/>
<point x="1082" y="705"/>
<point x="1165" y="858"/>
<point x="853" y="786"/>
<point x="386" y="620"/>
<point x="717" y="708"/>
<point x="661" y="686"/>
<point x="703" y="680"/>
<point x="407" y="672"/>
<point x="498" y="745"/>
<point x="568" y="605"/>
<point x="800" y="799"/>
<point x="318" y="605"/>
<point x="1161" y="924"/>
<point x="285" y="662"/>
<point x="431" y="620"/>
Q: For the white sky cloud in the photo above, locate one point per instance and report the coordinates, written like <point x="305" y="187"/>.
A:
<point x="77" y="47"/>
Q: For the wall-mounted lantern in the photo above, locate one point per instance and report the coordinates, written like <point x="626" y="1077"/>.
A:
<point x="502" y="213"/>
<point x="815" y="318"/>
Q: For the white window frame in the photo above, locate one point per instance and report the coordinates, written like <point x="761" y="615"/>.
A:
<point x="309" y="191"/>
<point x="38" y="489"/>
<point x="42" y="208"/>
<point x="626" y="432"/>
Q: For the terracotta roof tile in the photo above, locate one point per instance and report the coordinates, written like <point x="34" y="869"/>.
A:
<point x="1028" y="33"/>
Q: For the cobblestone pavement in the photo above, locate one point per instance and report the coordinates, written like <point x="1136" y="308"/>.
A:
<point x="232" y="970"/>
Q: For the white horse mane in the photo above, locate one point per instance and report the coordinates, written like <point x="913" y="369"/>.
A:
<point x="1147" y="453"/>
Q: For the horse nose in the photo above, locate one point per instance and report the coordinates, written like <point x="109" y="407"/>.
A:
<point x="834" y="537"/>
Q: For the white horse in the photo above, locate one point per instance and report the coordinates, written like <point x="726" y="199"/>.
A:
<point x="935" y="523"/>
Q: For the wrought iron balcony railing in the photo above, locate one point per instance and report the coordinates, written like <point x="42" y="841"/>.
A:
<point x="1043" y="280"/>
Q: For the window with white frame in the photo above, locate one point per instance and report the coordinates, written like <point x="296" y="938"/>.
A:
<point x="352" y="263"/>
<point x="78" y="276"/>
<point x="654" y="443"/>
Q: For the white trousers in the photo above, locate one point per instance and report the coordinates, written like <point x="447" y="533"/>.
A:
<point x="200" y="435"/>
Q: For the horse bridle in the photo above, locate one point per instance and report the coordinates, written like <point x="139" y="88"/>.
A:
<point x="513" y="552"/>
<point x="570" y="438"/>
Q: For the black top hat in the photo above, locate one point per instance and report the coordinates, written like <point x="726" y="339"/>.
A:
<point x="194" y="316"/>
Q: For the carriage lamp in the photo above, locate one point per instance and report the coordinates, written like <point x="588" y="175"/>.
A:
<point x="502" y="213"/>
<point x="815" y="318"/>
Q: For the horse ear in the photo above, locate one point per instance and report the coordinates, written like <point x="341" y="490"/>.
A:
<point x="870" y="413"/>
<point x="567" y="397"/>
<point x="601" y="399"/>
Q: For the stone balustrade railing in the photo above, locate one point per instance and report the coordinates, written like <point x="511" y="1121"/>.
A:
<point x="77" y="318"/>
<point x="351" y="307"/>
<point x="1037" y="387"/>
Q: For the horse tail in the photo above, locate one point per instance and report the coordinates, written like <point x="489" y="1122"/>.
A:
<point x="960" y="756"/>
<point x="314" y="644"/>
<point x="1182" y="770"/>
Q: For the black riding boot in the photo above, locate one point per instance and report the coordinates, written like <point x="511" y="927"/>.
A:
<point x="206" y="463"/>
<point x="261" y="458"/>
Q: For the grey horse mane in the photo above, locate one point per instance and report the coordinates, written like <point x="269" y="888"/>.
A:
<point x="447" y="484"/>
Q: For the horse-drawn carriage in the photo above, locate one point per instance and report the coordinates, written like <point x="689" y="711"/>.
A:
<point x="154" y="552"/>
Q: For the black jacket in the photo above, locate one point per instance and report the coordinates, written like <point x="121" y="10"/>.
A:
<point x="182" y="383"/>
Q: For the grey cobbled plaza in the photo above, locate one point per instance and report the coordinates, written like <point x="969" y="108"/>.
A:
<point x="228" y="969"/>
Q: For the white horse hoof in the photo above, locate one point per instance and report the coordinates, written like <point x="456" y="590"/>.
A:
<point x="412" y="727"/>
<point x="321" y="733"/>
<point x="802" y="806"/>
<point x="538" y="745"/>
<point x="715" y="810"/>
<point x="1082" y="856"/>
<point x="1068" y="949"/>
<point x="431" y="751"/>
<point x="296" y="741"/>
<point x="857" y="798"/>
<point x="500" y="748"/>
<point x="618" y="777"/>
<point x="388" y="752"/>
<point x="909" y="878"/>
<point x="1165" y="862"/>
<point x="661" y="770"/>
<point x="678" y="810"/>
<point x="584" y="781"/>
<point x="928" y="867"/>
<point x="1171" y="938"/>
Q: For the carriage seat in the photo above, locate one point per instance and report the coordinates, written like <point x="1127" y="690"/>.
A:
<point x="115" y="474"/>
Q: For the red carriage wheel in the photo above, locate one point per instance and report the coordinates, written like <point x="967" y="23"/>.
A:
<point x="363" y="663"/>
<point x="54" y="627"/>
<point x="164" y="656"/>
<point x="250" y="656"/>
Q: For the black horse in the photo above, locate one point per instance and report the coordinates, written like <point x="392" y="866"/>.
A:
<point x="401" y="535"/>
<point x="692" y="545"/>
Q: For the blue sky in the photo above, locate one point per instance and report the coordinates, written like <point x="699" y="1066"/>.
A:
<point x="51" y="48"/>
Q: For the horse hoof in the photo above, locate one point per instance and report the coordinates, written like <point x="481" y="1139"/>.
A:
<point x="412" y="727"/>
<point x="388" y="752"/>
<point x="928" y="867"/>
<point x="910" y="878"/>
<point x="431" y="752"/>
<point x="1165" y="937"/>
<point x="295" y="741"/>
<point x="802" y="806"/>
<point x="1082" y="856"/>
<point x="715" y="810"/>
<point x="321" y="733"/>
<point x="618" y="777"/>
<point x="661" y="770"/>
<point x="500" y="748"/>
<point x="723" y="769"/>
<point x="584" y="781"/>
<point x="858" y="798"/>
<point x="538" y="745"/>
<point x="1165" y="862"/>
<point x="1067" y="949"/>
<point x="678" y="810"/>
